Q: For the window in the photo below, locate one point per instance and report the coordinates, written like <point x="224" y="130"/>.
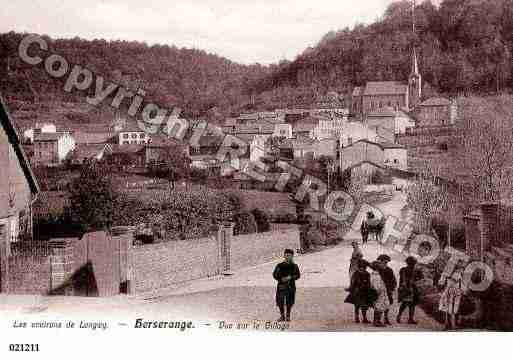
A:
<point x="142" y="135"/>
<point x="134" y="135"/>
<point x="125" y="142"/>
<point x="125" y="135"/>
<point x="350" y="140"/>
<point x="396" y="161"/>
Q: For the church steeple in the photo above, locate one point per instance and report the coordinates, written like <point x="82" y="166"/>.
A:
<point x="415" y="79"/>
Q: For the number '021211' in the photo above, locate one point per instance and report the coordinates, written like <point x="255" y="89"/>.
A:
<point x="23" y="347"/>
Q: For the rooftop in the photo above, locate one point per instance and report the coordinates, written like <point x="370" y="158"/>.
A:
<point x="436" y="101"/>
<point x="130" y="148"/>
<point x="383" y="112"/>
<point x="384" y="88"/>
<point x="92" y="137"/>
<point x="48" y="136"/>
<point x="88" y="150"/>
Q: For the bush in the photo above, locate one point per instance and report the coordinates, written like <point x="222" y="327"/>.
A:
<point x="262" y="220"/>
<point x="244" y="223"/>
<point x="284" y="218"/>
<point x="181" y="214"/>
<point x="314" y="237"/>
<point x="379" y="177"/>
<point x="441" y="228"/>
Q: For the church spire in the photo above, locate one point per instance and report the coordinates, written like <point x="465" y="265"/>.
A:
<point x="415" y="80"/>
<point x="415" y="63"/>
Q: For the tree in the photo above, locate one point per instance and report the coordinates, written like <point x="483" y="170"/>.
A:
<point x="426" y="199"/>
<point x="485" y="155"/>
<point x="92" y="199"/>
<point x="172" y="163"/>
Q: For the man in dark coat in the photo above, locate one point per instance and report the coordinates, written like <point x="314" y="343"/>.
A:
<point x="359" y="291"/>
<point x="409" y="292"/>
<point x="286" y="273"/>
<point x="388" y="276"/>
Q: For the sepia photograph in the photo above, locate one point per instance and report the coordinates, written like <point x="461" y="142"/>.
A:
<point x="172" y="170"/>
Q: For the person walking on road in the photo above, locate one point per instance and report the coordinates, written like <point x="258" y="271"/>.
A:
<point x="388" y="276"/>
<point x="409" y="293"/>
<point x="286" y="273"/>
<point x="364" y="228"/>
<point x="381" y="303"/>
<point x="359" y="291"/>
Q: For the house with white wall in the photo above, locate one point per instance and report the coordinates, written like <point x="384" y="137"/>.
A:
<point x="45" y="127"/>
<point x="52" y="148"/>
<point x="354" y="131"/>
<point x="18" y="189"/>
<point x="132" y="134"/>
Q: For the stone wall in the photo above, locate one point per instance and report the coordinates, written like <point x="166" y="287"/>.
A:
<point x="157" y="266"/>
<point x="252" y="249"/>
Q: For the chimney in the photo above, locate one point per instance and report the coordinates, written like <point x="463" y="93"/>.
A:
<point x="488" y="226"/>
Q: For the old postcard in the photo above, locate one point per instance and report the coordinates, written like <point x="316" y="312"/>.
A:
<point x="244" y="168"/>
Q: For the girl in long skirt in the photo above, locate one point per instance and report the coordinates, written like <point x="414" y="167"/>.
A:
<point x="451" y="298"/>
<point x="382" y="303"/>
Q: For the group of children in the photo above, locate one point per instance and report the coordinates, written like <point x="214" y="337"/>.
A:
<point x="376" y="289"/>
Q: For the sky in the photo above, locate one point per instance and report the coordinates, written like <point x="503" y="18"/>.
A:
<point x="244" y="31"/>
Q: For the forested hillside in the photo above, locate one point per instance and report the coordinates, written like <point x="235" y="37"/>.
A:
<point x="465" y="46"/>
<point x="192" y="79"/>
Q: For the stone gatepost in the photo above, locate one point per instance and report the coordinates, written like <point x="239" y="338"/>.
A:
<point x="472" y="237"/>
<point x="61" y="264"/>
<point x="224" y="239"/>
<point x="488" y="226"/>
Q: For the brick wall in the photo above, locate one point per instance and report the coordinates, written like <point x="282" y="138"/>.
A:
<point x="29" y="275"/>
<point x="91" y="266"/>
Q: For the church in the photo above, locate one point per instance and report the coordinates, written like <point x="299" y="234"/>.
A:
<point x="376" y="95"/>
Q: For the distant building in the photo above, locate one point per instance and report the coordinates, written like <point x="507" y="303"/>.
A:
<point x="435" y="112"/>
<point x="383" y="122"/>
<point x="127" y="157"/>
<point x="93" y="152"/>
<point x="395" y="156"/>
<point x="354" y="131"/>
<point x="327" y="147"/>
<point x="379" y="94"/>
<point x="18" y="189"/>
<point x="94" y="138"/>
<point x="132" y="134"/>
<point x="378" y="154"/>
<point x="283" y="130"/>
<point x="258" y="147"/>
<point x="52" y="148"/>
<point x="39" y="128"/>
<point x="304" y="129"/>
<point x="329" y="127"/>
